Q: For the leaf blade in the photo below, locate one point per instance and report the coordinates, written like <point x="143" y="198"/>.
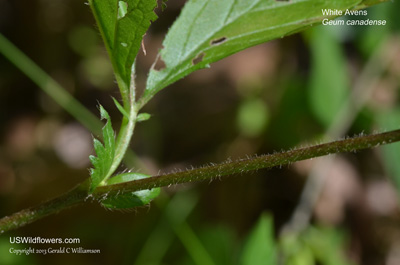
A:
<point x="104" y="13"/>
<point x="130" y="30"/>
<point x="235" y="25"/>
<point x="122" y="25"/>
<point x="105" y="153"/>
<point x="329" y="78"/>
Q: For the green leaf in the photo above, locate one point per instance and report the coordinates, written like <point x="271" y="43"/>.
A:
<point x="209" y="30"/>
<point x="315" y="245"/>
<point x="329" y="84"/>
<point x="327" y="245"/>
<point x="143" y="117"/>
<point x="122" y="25"/>
<point x="133" y="199"/>
<point x="260" y="246"/>
<point x="105" y="153"/>
<point x="219" y="242"/>
<point x="120" y="108"/>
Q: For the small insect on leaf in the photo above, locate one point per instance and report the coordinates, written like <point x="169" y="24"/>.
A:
<point x="132" y="199"/>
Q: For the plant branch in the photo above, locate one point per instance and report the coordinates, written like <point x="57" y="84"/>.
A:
<point x="80" y="193"/>
<point x="250" y="164"/>
<point x="128" y="125"/>
<point x="27" y="216"/>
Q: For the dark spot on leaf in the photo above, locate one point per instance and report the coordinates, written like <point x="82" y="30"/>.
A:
<point x="218" y="41"/>
<point x="159" y="64"/>
<point x="198" y="58"/>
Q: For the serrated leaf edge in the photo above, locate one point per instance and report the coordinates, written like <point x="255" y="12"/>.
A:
<point x="105" y="153"/>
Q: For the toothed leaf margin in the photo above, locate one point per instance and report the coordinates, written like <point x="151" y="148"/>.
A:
<point x="105" y="153"/>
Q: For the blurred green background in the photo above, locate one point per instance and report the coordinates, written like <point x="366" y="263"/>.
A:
<point x="322" y="84"/>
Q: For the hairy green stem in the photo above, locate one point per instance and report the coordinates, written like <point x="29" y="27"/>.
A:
<point x="80" y="193"/>
<point x="27" y="216"/>
<point x="127" y="127"/>
<point x="249" y="164"/>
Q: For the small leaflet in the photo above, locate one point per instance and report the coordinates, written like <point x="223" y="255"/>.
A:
<point x="105" y="153"/>
<point x="132" y="199"/>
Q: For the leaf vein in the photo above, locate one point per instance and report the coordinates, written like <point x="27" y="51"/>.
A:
<point x="190" y="31"/>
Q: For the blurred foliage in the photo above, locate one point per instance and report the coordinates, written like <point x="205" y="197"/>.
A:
<point x="260" y="246"/>
<point x="329" y="78"/>
<point x="274" y="96"/>
<point x="317" y="245"/>
<point x="8" y="259"/>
